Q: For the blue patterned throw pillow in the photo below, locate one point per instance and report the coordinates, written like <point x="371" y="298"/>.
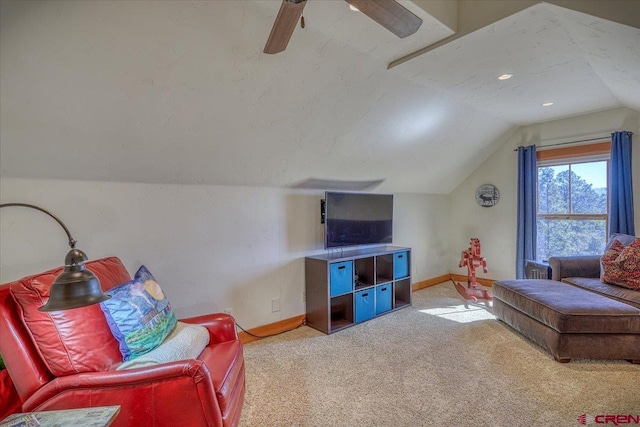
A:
<point x="139" y="315"/>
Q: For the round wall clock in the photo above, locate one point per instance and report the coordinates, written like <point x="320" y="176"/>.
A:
<point x="487" y="195"/>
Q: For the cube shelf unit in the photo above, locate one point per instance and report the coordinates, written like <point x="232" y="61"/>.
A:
<point x="344" y="288"/>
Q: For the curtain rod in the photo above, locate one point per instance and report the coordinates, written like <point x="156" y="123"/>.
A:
<point x="575" y="142"/>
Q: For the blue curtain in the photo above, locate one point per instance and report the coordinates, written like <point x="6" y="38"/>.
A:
<point x="527" y="197"/>
<point x="621" y="193"/>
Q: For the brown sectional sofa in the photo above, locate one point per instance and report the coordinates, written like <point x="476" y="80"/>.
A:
<point x="574" y="315"/>
<point x="584" y="272"/>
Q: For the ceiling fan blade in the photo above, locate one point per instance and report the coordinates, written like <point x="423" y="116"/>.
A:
<point x="286" y="21"/>
<point x="390" y="14"/>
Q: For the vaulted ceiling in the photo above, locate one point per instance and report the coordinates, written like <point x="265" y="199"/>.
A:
<point x="181" y="92"/>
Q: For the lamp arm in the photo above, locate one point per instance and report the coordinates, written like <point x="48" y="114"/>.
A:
<point x="72" y="241"/>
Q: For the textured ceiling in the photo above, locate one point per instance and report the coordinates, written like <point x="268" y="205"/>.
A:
<point x="579" y="62"/>
<point x="180" y="92"/>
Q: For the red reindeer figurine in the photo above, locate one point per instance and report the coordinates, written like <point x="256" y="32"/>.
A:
<point x="471" y="259"/>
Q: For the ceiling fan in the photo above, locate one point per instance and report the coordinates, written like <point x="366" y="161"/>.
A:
<point x="388" y="13"/>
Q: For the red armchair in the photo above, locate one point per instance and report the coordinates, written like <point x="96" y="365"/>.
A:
<point x="9" y="400"/>
<point x="66" y="359"/>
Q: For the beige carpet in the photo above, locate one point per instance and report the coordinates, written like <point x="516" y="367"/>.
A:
<point x="435" y="363"/>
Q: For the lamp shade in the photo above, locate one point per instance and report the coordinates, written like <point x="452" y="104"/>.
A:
<point x="75" y="287"/>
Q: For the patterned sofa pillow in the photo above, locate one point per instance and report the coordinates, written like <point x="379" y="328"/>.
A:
<point x="621" y="265"/>
<point x="625" y="239"/>
<point x="139" y="315"/>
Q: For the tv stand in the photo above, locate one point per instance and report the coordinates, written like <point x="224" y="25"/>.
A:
<point x="336" y="300"/>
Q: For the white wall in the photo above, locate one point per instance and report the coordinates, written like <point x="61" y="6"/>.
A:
<point x="423" y="221"/>
<point x="210" y="247"/>
<point x="213" y="247"/>
<point x="496" y="226"/>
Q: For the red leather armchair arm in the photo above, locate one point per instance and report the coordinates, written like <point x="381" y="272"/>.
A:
<point x="221" y="326"/>
<point x="120" y="379"/>
<point x="183" y="387"/>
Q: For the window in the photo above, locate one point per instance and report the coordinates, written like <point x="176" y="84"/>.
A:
<point x="573" y="204"/>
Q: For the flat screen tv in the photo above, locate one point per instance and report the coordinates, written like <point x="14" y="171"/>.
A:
<point x="355" y="219"/>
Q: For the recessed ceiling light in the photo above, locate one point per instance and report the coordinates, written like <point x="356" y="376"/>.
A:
<point x="547" y="104"/>
<point x="355" y="9"/>
<point x="505" y="76"/>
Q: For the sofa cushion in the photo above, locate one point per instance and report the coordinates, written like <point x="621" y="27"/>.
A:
<point x="76" y="340"/>
<point x="568" y="309"/>
<point x="621" y="265"/>
<point x="139" y="315"/>
<point x="625" y="295"/>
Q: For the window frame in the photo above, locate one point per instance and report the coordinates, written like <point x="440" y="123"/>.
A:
<point x="573" y="156"/>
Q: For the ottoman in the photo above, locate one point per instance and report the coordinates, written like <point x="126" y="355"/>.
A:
<point x="569" y="322"/>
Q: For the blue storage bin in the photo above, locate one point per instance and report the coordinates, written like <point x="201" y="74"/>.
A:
<point x="365" y="305"/>
<point x="341" y="277"/>
<point x="400" y="265"/>
<point x="384" y="298"/>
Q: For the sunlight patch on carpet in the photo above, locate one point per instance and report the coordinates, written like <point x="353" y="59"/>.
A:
<point x="460" y="313"/>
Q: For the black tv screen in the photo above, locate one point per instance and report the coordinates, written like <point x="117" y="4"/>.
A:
<point x="353" y="219"/>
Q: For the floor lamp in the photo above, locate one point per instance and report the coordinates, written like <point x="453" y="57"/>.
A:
<point x="75" y="286"/>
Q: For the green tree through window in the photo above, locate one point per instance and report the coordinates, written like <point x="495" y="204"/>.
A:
<point x="572" y="208"/>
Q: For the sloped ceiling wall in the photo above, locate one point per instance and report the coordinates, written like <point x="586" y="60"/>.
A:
<point x="180" y="92"/>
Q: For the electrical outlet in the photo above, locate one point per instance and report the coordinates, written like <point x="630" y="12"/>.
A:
<point x="229" y="311"/>
<point x="275" y="305"/>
